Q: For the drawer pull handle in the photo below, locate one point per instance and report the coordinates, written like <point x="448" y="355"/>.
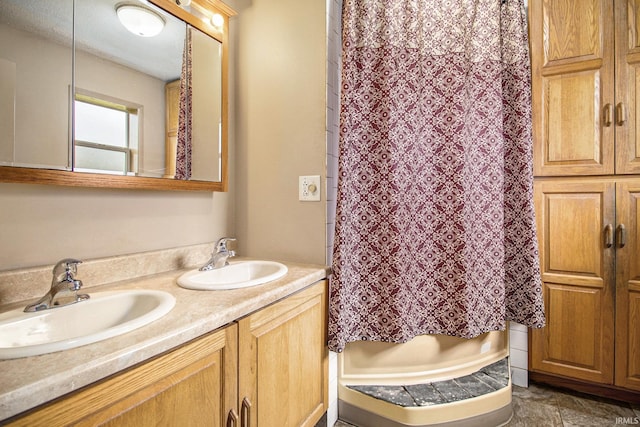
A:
<point x="608" y="115"/>
<point x="621" y="114"/>
<point x="608" y="235"/>
<point x="232" y="419"/>
<point x="245" y="412"/>
<point x="622" y="235"/>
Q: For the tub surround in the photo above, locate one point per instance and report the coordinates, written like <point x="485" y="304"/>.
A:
<point x="487" y="380"/>
<point x="28" y="382"/>
<point x="432" y="380"/>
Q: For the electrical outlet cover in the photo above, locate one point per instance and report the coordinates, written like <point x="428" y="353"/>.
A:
<point x="309" y="188"/>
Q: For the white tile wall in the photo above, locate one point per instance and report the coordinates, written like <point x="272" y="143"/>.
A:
<point x="518" y="350"/>
<point x="334" y="10"/>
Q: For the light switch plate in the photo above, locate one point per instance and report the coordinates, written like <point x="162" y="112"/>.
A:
<point x="309" y="188"/>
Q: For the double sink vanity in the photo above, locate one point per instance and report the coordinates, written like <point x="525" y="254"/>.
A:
<point x="151" y="341"/>
<point x="150" y="338"/>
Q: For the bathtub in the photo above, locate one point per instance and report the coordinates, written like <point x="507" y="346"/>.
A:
<point x="430" y="360"/>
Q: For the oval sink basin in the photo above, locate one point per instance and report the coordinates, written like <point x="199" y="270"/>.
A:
<point x="242" y="274"/>
<point x="104" y="315"/>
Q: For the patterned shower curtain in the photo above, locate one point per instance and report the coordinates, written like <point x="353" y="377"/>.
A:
<point x="435" y="228"/>
<point x="183" y="144"/>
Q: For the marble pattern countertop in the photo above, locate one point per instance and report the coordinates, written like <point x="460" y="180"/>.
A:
<point x="28" y="382"/>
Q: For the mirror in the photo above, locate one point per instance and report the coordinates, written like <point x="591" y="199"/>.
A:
<point x="140" y="112"/>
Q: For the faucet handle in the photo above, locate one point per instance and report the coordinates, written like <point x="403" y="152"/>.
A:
<point x="68" y="267"/>
<point x="221" y="245"/>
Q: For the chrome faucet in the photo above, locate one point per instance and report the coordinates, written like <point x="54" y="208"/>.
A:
<point x="64" y="287"/>
<point x="221" y="255"/>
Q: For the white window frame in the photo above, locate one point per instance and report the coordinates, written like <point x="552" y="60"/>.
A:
<point x="129" y="109"/>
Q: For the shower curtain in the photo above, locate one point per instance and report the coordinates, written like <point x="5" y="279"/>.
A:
<point x="435" y="228"/>
<point x="183" y="144"/>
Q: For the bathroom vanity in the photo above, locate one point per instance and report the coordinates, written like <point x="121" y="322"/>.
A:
<point x="253" y="356"/>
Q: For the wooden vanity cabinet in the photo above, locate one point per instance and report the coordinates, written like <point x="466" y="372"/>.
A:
<point x="282" y="351"/>
<point x="193" y="385"/>
<point x="276" y="356"/>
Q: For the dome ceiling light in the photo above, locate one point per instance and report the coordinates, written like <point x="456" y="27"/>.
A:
<point x="140" y="20"/>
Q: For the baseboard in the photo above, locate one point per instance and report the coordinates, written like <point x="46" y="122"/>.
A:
<point x="600" y="390"/>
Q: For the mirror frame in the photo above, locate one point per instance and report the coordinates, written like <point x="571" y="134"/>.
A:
<point x="11" y="174"/>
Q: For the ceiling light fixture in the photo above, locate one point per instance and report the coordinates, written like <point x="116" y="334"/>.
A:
<point x="217" y="20"/>
<point x="140" y="20"/>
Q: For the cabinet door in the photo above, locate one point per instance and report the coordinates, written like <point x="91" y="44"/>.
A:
<point x="283" y="361"/>
<point x="575" y="220"/>
<point x="572" y="60"/>
<point x="628" y="285"/>
<point x="172" y="107"/>
<point x="194" y="385"/>
<point x="627" y="86"/>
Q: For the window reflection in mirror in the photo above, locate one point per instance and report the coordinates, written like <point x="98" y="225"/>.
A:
<point x="106" y="136"/>
<point x="126" y="69"/>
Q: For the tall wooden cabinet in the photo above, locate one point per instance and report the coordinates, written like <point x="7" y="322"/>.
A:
<point x="585" y="57"/>
<point x="172" y="113"/>
<point x="628" y="285"/>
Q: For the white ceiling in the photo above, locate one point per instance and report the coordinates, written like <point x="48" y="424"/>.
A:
<point x="99" y="32"/>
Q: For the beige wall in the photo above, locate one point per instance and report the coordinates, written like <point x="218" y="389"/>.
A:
<point x="280" y="112"/>
<point x="41" y="224"/>
<point x="277" y="132"/>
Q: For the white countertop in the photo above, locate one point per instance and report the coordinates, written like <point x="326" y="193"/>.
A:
<point x="28" y="382"/>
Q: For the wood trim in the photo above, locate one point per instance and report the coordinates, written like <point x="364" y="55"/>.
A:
<point x="78" y="179"/>
<point x="217" y="4"/>
<point x="93" y="180"/>
<point x="600" y="390"/>
<point x="194" y="21"/>
<point x="571" y="67"/>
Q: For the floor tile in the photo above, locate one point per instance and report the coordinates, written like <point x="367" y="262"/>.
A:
<point x="535" y="393"/>
<point x="532" y="413"/>
<point x="582" y="411"/>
